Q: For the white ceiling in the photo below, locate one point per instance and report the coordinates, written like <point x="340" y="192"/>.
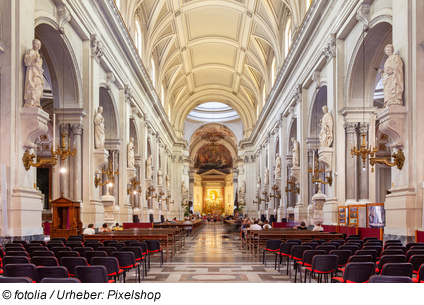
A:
<point x="212" y="51"/>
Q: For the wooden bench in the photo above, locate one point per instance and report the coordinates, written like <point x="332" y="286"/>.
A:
<point x="258" y="238"/>
<point x="166" y="237"/>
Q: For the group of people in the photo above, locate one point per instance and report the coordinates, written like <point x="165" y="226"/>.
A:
<point x="104" y="228"/>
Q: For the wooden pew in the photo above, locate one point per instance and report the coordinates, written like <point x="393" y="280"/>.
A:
<point x="166" y="237"/>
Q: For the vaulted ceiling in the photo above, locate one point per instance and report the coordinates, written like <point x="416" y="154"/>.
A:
<point x="212" y="50"/>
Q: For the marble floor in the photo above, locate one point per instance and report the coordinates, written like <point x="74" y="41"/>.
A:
<point x="212" y="255"/>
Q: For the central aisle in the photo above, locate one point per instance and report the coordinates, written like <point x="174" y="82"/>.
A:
<point x="211" y="255"/>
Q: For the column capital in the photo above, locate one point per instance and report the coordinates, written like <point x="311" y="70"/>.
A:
<point x="77" y="128"/>
<point x="350" y="127"/>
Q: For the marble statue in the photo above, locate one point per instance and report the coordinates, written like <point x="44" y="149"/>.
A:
<point x="277" y="171"/>
<point x="258" y="182"/>
<point x="149" y="169"/>
<point x="130" y="152"/>
<point x="34" y="80"/>
<point x="266" y="177"/>
<point x="243" y="187"/>
<point x="168" y="181"/>
<point x="160" y="177"/>
<point x="295" y="150"/>
<point x="99" y="129"/>
<point x="392" y="78"/>
<point x="183" y="188"/>
<point x="326" y="134"/>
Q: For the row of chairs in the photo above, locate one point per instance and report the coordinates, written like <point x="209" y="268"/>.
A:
<point x="293" y="251"/>
<point x="29" y="273"/>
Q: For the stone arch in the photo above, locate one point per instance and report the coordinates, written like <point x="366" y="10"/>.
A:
<point x="64" y="75"/>
<point x="362" y="73"/>
<point x="110" y="114"/>
<point x="315" y="111"/>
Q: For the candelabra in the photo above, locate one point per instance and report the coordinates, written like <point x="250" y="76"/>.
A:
<point x="363" y="151"/>
<point x="259" y="201"/>
<point x="399" y="160"/>
<point x="291" y="186"/>
<point x="149" y="193"/>
<point x="110" y="173"/>
<point x="266" y="200"/>
<point x="316" y="172"/>
<point x="28" y="160"/>
<point x="132" y="186"/>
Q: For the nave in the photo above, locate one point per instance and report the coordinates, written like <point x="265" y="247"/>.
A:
<point x="211" y="255"/>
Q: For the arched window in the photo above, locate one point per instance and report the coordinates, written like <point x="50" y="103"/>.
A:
<point x="273" y="70"/>
<point x="137" y="41"/>
<point x="288" y="37"/>
<point x="152" y="71"/>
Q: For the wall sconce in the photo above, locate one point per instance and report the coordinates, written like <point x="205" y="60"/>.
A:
<point x="109" y="172"/>
<point x="399" y="160"/>
<point x="291" y="187"/>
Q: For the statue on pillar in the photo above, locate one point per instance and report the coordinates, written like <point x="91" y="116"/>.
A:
<point x="277" y="171"/>
<point x="99" y="129"/>
<point x="243" y="187"/>
<point x="160" y="177"/>
<point x="266" y="177"/>
<point x="183" y="188"/>
<point x="258" y="182"/>
<point x="34" y="80"/>
<point x="168" y="181"/>
<point x="149" y="169"/>
<point x="295" y="150"/>
<point x="392" y="78"/>
<point x="326" y="134"/>
<point x="130" y="152"/>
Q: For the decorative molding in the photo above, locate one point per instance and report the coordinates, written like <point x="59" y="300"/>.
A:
<point x="363" y="15"/>
<point x="392" y="122"/>
<point x="329" y="50"/>
<point x="316" y="78"/>
<point x="77" y="128"/>
<point x="34" y="124"/>
<point x="350" y="127"/>
<point x="110" y="78"/>
<point x="297" y="94"/>
<point x="128" y="93"/>
<point x="63" y="17"/>
<point x="97" y="48"/>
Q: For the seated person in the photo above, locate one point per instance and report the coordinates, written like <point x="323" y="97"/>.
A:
<point x="188" y="228"/>
<point x="90" y="230"/>
<point x="104" y="228"/>
<point x="301" y="227"/>
<point x="117" y="227"/>
<point x="256" y="226"/>
<point x="318" y="228"/>
<point x="266" y="225"/>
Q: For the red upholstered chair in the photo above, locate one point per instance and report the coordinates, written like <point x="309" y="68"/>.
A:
<point x="285" y="251"/>
<point x="416" y="260"/>
<point x="272" y="245"/>
<point x="296" y="255"/>
<point x="21" y="270"/>
<point x="44" y="261"/>
<point x="153" y="246"/>
<point x="60" y="280"/>
<point x="390" y="259"/>
<point x="111" y="264"/>
<point x="71" y="262"/>
<point x="51" y="272"/>
<point x="311" y="243"/>
<point x="420" y="275"/>
<point x="92" y="274"/>
<point x="397" y="269"/>
<point x="126" y="261"/>
<point x="343" y="256"/>
<point x="409" y="245"/>
<point x="15" y="260"/>
<point x="356" y="272"/>
<point x="327" y="248"/>
<point x="323" y="265"/>
<point x="15" y="280"/>
<point x="306" y="261"/>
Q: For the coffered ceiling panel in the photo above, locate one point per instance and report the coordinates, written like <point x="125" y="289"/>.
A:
<point x="213" y="77"/>
<point x="213" y="22"/>
<point x="213" y="53"/>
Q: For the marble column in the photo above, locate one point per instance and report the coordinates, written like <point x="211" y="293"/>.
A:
<point x="350" y="161"/>
<point x="363" y="172"/>
<point x="77" y="130"/>
<point x="64" y="176"/>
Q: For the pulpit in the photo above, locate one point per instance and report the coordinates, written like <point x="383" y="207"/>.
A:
<point x="66" y="218"/>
